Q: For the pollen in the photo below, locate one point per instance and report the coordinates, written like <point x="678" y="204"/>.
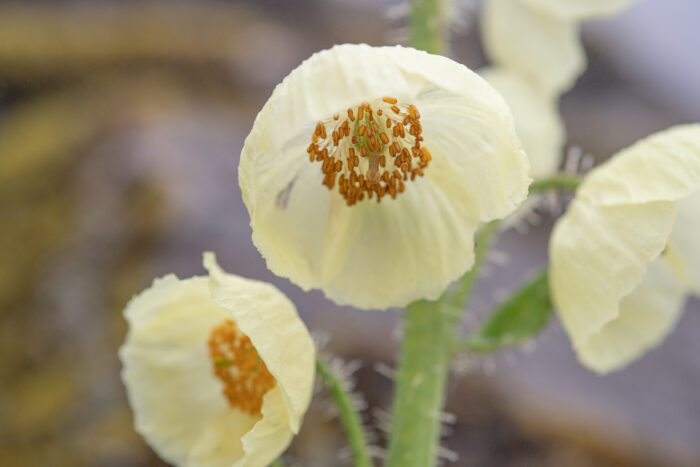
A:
<point x="238" y="366"/>
<point x="368" y="156"/>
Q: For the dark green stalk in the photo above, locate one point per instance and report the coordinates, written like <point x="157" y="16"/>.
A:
<point x="424" y="363"/>
<point x="429" y="330"/>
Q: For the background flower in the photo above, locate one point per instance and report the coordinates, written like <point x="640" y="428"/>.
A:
<point x="539" y="39"/>
<point x="617" y="270"/>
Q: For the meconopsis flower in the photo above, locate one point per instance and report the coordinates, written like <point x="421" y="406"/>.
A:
<point x="539" y="39"/>
<point x="368" y="171"/>
<point x="219" y="370"/>
<point x="627" y="251"/>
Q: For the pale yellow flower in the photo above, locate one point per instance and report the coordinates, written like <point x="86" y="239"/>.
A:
<point x="219" y="370"/>
<point x="539" y="39"/>
<point x="627" y="250"/>
<point x="434" y="142"/>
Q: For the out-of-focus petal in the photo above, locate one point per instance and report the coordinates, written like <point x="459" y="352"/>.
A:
<point x="579" y="10"/>
<point x="663" y="166"/>
<point x="623" y="218"/>
<point x="684" y="243"/>
<point x="646" y="316"/>
<point x="540" y="47"/>
<point x="598" y="255"/>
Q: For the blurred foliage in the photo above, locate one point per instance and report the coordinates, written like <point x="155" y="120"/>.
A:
<point x="75" y="77"/>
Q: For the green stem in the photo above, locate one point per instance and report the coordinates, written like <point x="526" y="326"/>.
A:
<point x="277" y="463"/>
<point x="426" y="27"/>
<point x="557" y="182"/>
<point x="429" y="330"/>
<point x="348" y="414"/>
<point x="424" y="363"/>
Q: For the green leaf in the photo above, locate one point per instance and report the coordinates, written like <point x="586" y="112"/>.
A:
<point x="521" y="317"/>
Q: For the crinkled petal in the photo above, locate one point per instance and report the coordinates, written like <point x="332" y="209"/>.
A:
<point x="409" y="248"/>
<point x="270" y="436"/>
<point x="579" y="10"/>
<point x="663" y="166"/>
<point x="599" y="254"/>
<point x="543" y="48"/>
<point x="374" y="255"/>
<point x="646" y="316"/>
<point x="684" y="243"/>
<point x="623" y="217"/>
<point x="269" y="319"/>
<point x="256" y="446"/>
<point x="222" y="441"/>
<point x="167" y="370"/>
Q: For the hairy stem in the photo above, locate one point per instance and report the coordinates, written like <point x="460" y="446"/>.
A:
<point x="425" y="354"/>
<point x="429" y="330"/>
<point x="348" y="414"/>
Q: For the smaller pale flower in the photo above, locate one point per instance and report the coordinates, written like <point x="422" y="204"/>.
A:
<point x="219" y="370"/>
<point x="539" y="39"/>
<point x="369" y="169"/>
<point x="627" y="250"/>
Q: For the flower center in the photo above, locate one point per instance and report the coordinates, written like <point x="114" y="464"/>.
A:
<point x="370" y="150"/>
<point x="237" y="364"/>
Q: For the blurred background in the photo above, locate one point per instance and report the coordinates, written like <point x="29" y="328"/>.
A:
<point x="121" y="125"/>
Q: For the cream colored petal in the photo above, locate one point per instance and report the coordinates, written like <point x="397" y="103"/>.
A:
<point x="468" y="121"/>
<point x="166" y="365"/>
<point x="270" y="436"/>
<point x="599" y="254"/>
<point x="387" y="254"/>
<point x="537" y="119"/>
<point x="684" y="244"/>
<point x="257" y="446"/>
<point x="410" y="248"/>
<point x="222" y="441"/>
<point x="578" y="10"/>
<point x="646" y="316"/>
<point x="663" y="166"/>
<point x="543" y="48"/>
<point x="358" y="254"/>
<point x="483" y="146"/>
<point x="271" y="322"/>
